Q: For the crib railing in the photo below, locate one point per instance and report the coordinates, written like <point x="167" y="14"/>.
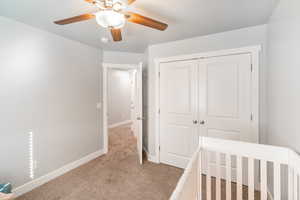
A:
<point x="223" y="169"/>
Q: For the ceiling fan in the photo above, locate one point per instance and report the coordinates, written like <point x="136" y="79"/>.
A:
<point x="112" y="14"/>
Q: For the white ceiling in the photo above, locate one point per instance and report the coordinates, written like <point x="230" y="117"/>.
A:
<point x="186" y="18"/>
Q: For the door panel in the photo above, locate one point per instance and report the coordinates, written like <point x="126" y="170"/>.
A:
<point x="134" y="106"/>
<point x="222" y="90"/>
<point x="225" y="97"/>
<point x="178" y="83"/>
<point x="140" y="112"/>
<point x="225" y="103"/>
<point x="177" y="131"/>
<point x="178" y="110"/>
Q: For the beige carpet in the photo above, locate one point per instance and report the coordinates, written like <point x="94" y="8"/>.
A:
<point x="115" y="176"/>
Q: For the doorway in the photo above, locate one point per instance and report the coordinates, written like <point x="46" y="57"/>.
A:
<point x="122" y="102"/>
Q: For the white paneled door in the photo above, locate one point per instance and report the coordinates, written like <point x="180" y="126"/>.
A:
<point x="225" y="97"/>
<point x="206" y="97"/>
<point x="140" y="112"/>
<point x="178" y="112"/>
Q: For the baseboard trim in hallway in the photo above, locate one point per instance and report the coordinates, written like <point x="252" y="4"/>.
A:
<point x="120" y="124"/>
<point x="151" y="158"/>
<point x="27" y="187"/>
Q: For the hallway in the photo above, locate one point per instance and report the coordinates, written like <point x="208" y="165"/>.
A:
<point x="115" y="176"/>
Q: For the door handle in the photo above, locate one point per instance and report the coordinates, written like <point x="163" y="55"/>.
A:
<point x="202" y="122"/>
<point x="195" y="122"/>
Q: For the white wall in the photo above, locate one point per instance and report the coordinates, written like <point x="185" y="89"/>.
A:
<point x="48" y="85"/>
<point x="118" y="57"/>
<point x="119" y="96"/>
<point x="226" y="40"/>
<point x="283" y="75"/>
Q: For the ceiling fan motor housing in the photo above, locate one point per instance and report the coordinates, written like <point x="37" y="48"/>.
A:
<point x="116" y="5"/>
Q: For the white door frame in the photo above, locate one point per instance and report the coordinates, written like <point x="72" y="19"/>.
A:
<point x="253" y="50"/>
<point x="105" y="67"/>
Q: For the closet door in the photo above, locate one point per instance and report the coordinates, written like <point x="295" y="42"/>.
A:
<point x="225" y="108"/>
<point x="225" y="97"/>
<point x="178" y="112"/>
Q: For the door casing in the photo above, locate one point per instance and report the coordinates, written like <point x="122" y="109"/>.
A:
<point x="105" y="67"/>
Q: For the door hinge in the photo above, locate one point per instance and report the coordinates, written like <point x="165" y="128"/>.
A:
<point x="159" y="148"/>
<point x="159" y="74"/>
<point x="251" y="117"/>
<point x="158" y="111"/>
<point x="251" y="67"/>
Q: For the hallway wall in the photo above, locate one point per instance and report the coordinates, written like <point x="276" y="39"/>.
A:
<point x="119" y="96"/>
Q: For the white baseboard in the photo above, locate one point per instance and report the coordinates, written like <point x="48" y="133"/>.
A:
<point x="151" y="158"/>
<point x="119" y="124"/>
<point x="27" y="187"/>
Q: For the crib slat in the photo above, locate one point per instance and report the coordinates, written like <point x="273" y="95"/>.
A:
<point x="250" y="178"/>
<point x="290" y="184"/>
<point x="277" y="187"/>
<point x="200" y="183"/>
<point x="263" y="180"/>
<point x="228" y="176"/>
<point x="218" y="176"/>
<point x="295" y="185"/>
<point x="208" y="177"/>
<point x="239" y="168"/>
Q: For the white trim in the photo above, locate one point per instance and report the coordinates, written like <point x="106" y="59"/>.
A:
<point x="156" y="108"/>
<point x="270" y="196"/>
<point x="255" y="92"/>
<point x="151" y="158"/>
<point x="104" y="109"/>
<point x="120" y="66"/>
<point x="253" y="50"/>
<point x="27" y="187"/>
<point x="106" y="66"/>
<point x="249" y="49"/>
<point x="120" y="124"/>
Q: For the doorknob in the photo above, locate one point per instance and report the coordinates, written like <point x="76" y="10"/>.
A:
<point x="195" y="122"/>
<point x="202" y="122"/>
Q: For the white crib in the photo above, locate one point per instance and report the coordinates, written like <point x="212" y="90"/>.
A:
<point x="239" y="170"/>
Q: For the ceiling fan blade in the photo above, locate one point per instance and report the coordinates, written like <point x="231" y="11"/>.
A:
<point x="130" y="1"/>
<point x="146" y="21"/>
<point x="75" y="19"/>
<point x="116" y="34"/>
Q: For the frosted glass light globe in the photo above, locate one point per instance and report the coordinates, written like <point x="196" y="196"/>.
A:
<point x="110" y="19"/>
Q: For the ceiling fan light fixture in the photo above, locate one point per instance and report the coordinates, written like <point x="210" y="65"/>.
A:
<point x="117" y="7"/>
<point x="110" y="19"/>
